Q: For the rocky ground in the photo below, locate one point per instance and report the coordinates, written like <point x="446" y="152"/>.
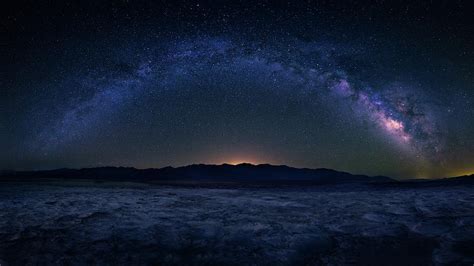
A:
<point x="133" y="224"/>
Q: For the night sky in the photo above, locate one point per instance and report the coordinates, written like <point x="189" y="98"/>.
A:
<point x="373" y="88"/>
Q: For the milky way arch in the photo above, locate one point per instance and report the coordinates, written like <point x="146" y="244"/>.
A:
<point x="311" y="66"/>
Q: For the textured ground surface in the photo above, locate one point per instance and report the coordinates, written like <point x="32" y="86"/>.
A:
<point x="136" y="224"/>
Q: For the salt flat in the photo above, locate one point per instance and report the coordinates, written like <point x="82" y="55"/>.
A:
<point x="80" y="224"/>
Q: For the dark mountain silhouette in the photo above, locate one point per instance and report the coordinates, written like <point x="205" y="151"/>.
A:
<point x="465" y="180"/>
<point x="196" y="174"/>
<point x="202" y="173"/>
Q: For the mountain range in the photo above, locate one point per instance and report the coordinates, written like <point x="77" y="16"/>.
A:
<point x="215" y="174"/>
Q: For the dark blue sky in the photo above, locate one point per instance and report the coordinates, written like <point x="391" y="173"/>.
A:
<point x="373" y="88"/>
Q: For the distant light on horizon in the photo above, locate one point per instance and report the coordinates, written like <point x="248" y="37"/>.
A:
<point x="237" y="162"/>
<point x="242" y="160"/>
